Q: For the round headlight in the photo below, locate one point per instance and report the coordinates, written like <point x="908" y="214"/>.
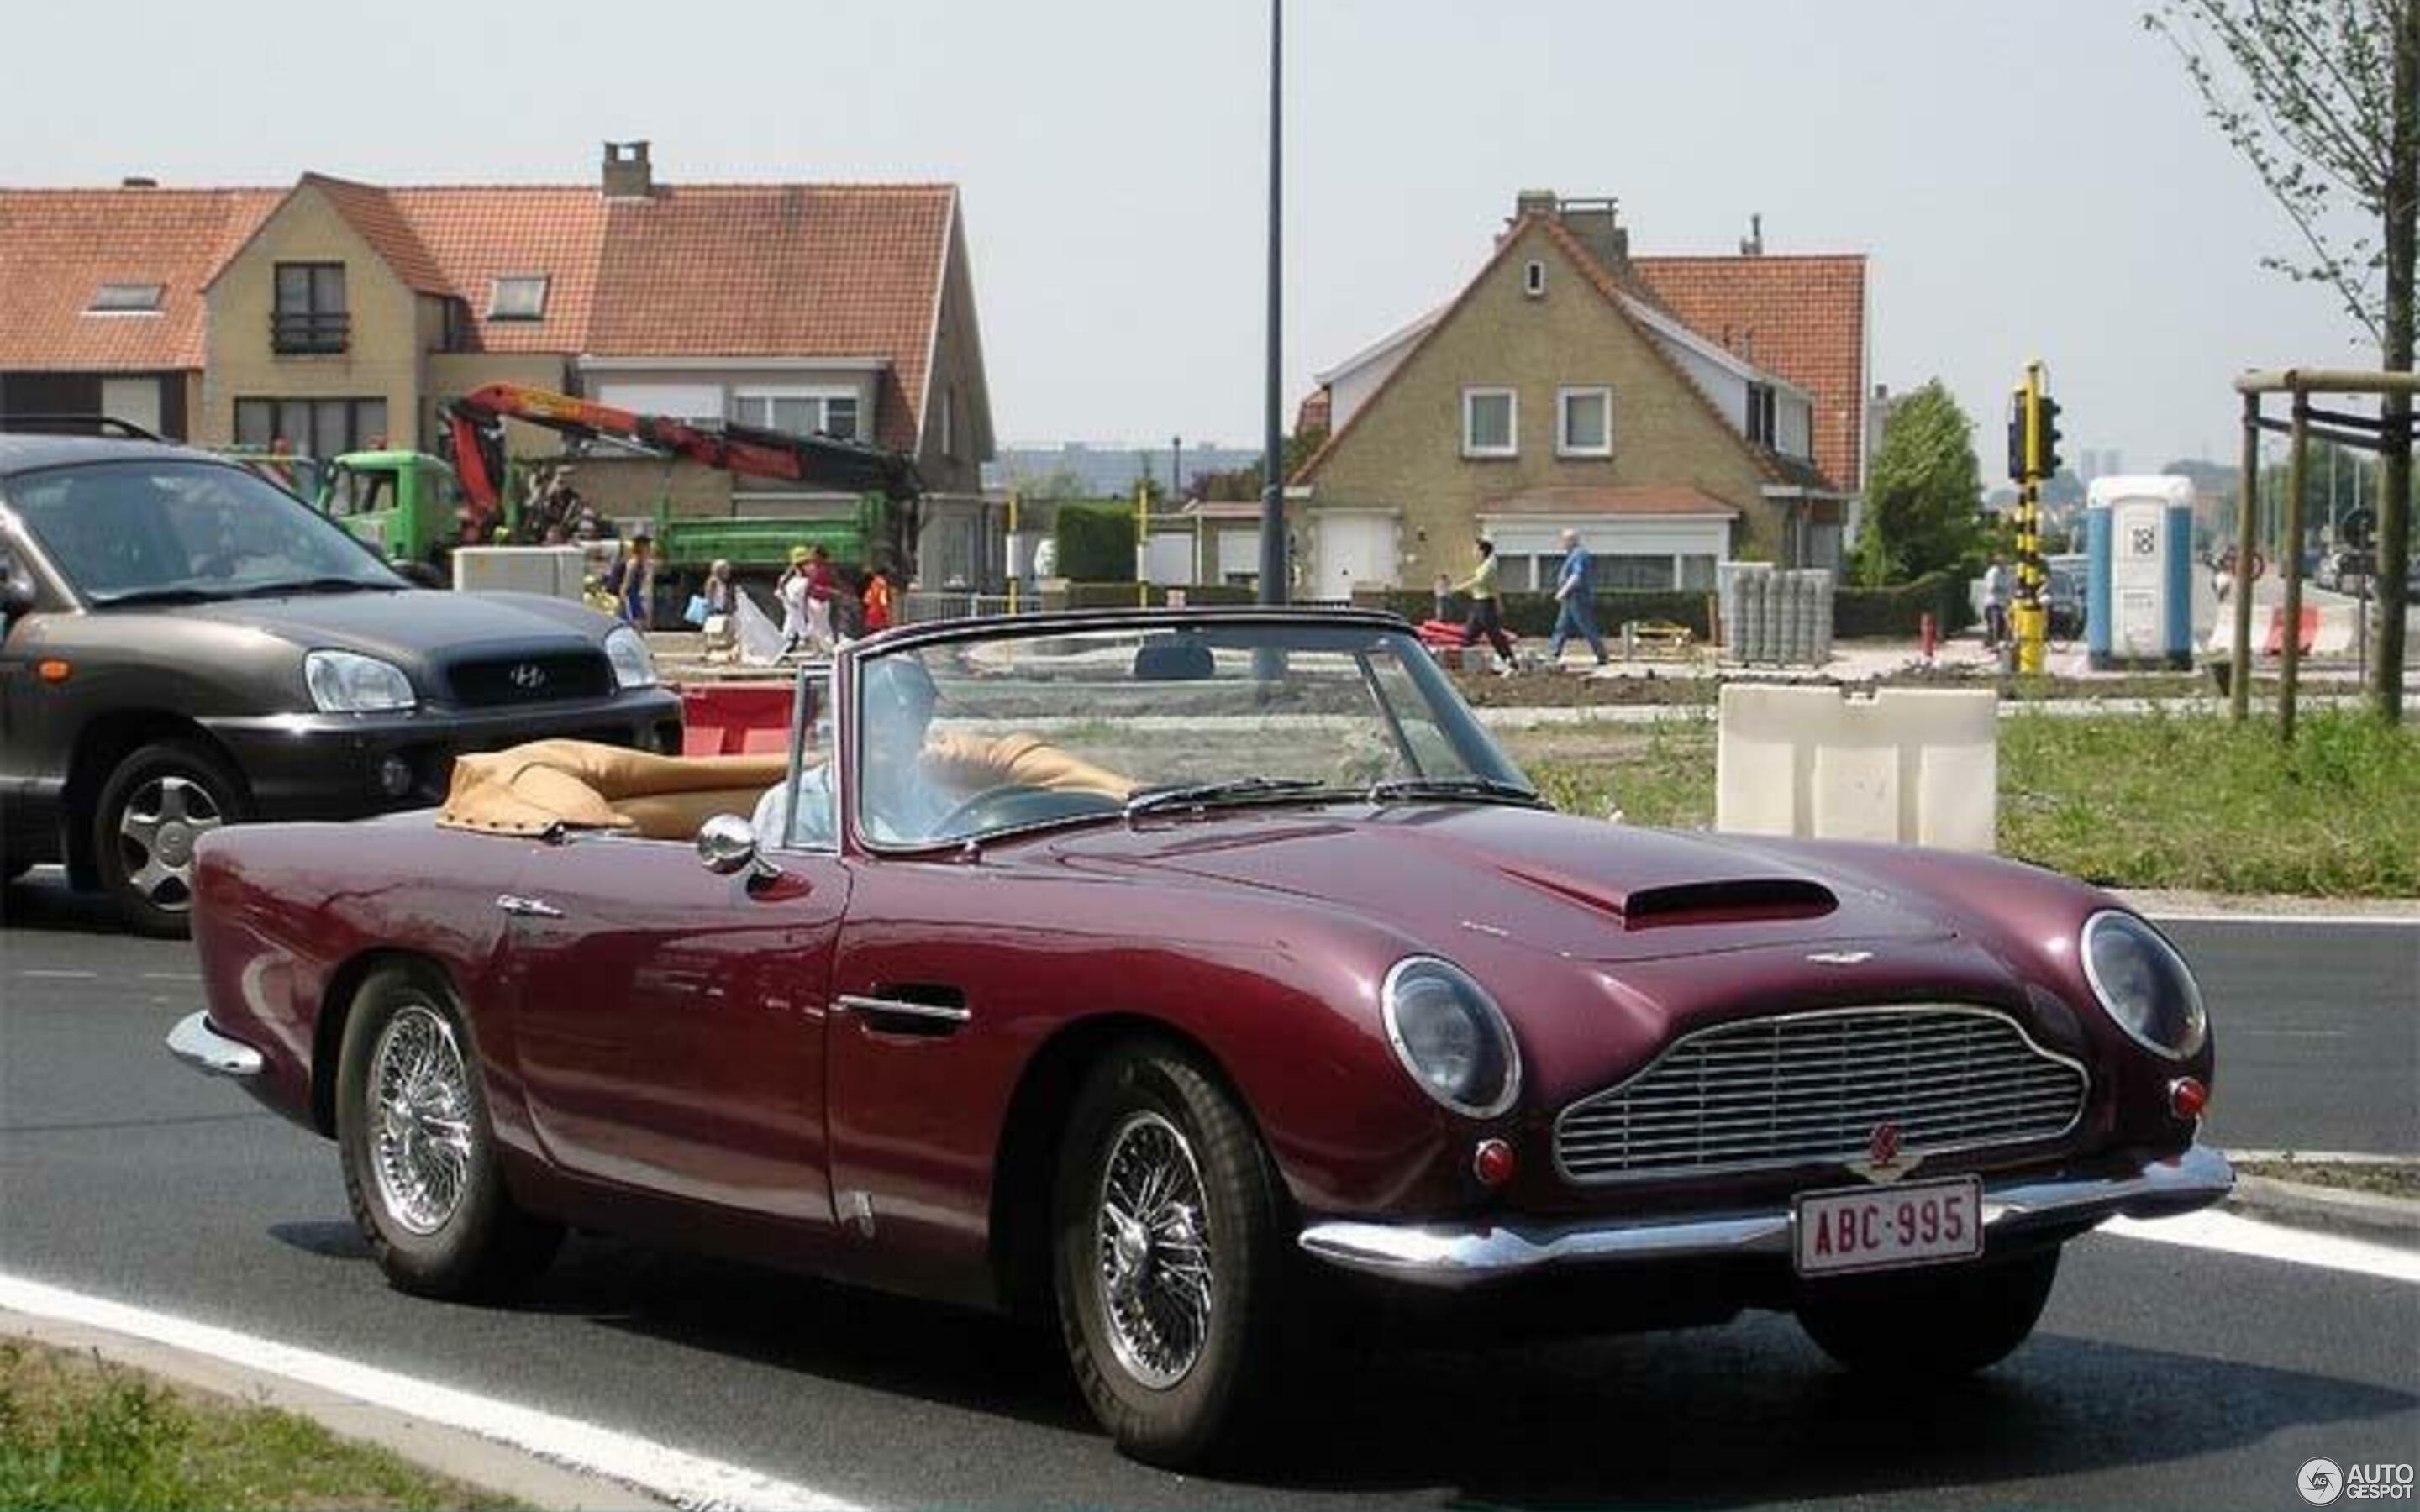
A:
<point x="634" y="665"/>
<point x="2143" y="985"/>
<point x="344" y="682"/>
<point x="1451" y="1037"/>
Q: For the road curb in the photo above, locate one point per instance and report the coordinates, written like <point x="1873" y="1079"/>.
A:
<point x="2301" y="1205"/>
<point x="491" y="1467"/>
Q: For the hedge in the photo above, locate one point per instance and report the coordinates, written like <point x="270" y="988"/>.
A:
<point x="1096" y="542"/>
<point x="1897" y="611"/>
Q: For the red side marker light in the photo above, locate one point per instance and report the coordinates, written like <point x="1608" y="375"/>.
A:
<point x="1492" y="1163"/>
<point x="53" y="670"/>
<point x="2187" y="1097"/>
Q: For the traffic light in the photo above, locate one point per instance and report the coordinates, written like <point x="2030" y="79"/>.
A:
<point x="2046" y="461"/>
<point x="2017" y="436"/>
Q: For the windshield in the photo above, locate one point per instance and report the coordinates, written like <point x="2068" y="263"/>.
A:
<point x="977" y="737"/>
<point x="176" y="527"/>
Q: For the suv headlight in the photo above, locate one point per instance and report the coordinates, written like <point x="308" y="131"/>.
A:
<point x="634" y="665"/>
<point x="346" y="682"/>
<point x="1451" y="1036"/>
<point x="2143" y="985"/>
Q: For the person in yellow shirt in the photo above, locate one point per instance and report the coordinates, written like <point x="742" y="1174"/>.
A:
<point x="1486" y="613"/>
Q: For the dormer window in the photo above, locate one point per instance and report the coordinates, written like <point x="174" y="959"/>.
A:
<point x="517" y="297"/>
<point x="1533" y="279"/>
<point x="125" y="299"/>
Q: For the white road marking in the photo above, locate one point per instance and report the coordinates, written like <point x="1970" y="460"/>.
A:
<point x="2228" y="1233"/>
<point x="172" y="976"/>
<point x="2295" y="1034"/>
<point x="56" y="974"/>
<point x="678" y="1476"/>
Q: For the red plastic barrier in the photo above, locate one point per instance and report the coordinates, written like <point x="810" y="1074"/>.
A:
<point x="2309" y="631"/>
<point x="734" y="719"/>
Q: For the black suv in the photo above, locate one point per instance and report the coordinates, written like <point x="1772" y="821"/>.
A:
<point x="183" y="645"/>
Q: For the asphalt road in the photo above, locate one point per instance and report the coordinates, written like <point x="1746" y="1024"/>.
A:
<point x="2161" y="1377"/>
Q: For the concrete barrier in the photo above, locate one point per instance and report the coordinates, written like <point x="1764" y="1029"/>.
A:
<point x="1912" y="765"/>
<point x="552" y="570"/>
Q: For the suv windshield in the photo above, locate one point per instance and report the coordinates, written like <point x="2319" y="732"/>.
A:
<point x="977" y="737"/>
<point x="180" y="528"/>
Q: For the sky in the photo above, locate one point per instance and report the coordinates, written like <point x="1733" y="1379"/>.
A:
<point x="2033" y="180"/>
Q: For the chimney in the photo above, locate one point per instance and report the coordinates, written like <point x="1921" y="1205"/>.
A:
<point x="137" y="182"/>
<point x="1752" y="245"/>
<point x="1538" y="202"/>
<point x="1596" y="224"/>
<point x="627" y="174"/>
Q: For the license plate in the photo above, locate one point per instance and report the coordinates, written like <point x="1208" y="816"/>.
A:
<point x="1882" y="1228"/>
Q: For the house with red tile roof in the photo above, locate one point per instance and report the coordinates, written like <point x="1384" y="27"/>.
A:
<point x="1674" y="411"/>
<point x="333" y="315"/>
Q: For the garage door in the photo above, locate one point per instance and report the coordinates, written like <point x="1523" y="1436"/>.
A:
<point x="1353" y="551"/>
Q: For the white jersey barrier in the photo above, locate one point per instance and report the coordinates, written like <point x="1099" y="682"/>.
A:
<point x="1916" y="767"/>
<point x="554" y="570"/>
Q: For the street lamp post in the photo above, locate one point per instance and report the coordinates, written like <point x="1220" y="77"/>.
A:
<point x="1272" y="536"/>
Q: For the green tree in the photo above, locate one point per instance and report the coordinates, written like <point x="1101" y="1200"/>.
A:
<point x="1922" y="492"/>
<point x="2322" y="99"/>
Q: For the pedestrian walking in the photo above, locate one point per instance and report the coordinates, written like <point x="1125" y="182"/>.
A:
<point x="1575" y="602"/>
<point x="1444" y="597"/>
<point x="878" y="601"/>
<point x="629" y="581"/>
<point x="791" y="591"/>
<point x="1486" y="614"/>
<point x="823" y="586"/>
<point x="1996" y="604"/>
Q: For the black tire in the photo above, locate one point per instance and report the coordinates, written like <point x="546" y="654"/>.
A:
<point x="1212" y="1410"/>
<point x="199" y="792"/>
<point x="1930" y="1324"/>
<point x="480" y="1245"/>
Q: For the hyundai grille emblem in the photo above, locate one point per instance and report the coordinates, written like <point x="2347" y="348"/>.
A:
<point x="529" y="677"/>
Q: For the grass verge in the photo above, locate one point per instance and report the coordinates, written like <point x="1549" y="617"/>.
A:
<point x="2152" y="800"/>
<point x="78" y="1434"/>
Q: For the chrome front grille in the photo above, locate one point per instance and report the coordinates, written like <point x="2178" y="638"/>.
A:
<point x="1805" y="1088"/>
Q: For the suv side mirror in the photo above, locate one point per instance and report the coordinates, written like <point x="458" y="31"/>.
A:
<point x="16" y="590"/>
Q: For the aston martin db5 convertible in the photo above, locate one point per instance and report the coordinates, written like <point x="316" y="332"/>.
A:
<point x="1210" y="982"/>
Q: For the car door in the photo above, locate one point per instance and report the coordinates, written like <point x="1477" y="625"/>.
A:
<point x="668" y="1023"/>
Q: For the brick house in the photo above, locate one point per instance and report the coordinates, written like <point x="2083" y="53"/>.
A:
<point x="1675" y="412"/>
<point x="335" y="315"/>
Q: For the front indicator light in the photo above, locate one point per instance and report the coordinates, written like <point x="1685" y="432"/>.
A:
<point x="395" y="776"/>
<point x="1493" y="1163"/>
<point x="2187" y="1097"/>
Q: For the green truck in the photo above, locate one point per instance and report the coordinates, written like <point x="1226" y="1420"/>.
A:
<point x="406" y="505"/>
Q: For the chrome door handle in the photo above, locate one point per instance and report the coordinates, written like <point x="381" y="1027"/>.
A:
<point x="527" y="907"/>
<point x="892" y="1007"/>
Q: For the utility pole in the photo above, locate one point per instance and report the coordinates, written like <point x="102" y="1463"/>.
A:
<point x="1273" y="531"/>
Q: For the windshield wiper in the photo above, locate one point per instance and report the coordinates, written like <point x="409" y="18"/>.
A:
<point x="1483" y="789"/>
<point x="313" y="585"/>
<point x="156" y="596"/>
<point x="1230" y="790"/>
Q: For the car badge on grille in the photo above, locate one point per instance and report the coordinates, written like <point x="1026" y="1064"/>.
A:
<point x="1884" y="1159"/>
<point x="1840" y="958"/>
<point x="529" y="677"/>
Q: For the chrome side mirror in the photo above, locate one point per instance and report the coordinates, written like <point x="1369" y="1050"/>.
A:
<point x="726" y="845"/>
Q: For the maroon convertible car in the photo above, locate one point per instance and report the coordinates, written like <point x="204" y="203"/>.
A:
<point x="1206" y="980"/>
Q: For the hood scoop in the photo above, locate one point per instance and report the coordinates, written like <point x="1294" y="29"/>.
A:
<point x="1731" y="901"/>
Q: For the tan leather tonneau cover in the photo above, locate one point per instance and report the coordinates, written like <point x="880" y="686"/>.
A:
<point x="545" y="785"/>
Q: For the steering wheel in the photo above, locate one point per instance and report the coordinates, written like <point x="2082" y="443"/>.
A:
<point x="1013" y="804"/>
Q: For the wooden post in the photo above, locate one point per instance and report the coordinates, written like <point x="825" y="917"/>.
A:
<point x="2247" y="507"/>
<point x="2290" y="551"/>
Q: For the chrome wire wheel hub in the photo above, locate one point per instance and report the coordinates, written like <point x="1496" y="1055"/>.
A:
<point x="156" y="832"/>
<point x="1152" y="1244"/>
<point x="420" y="1119"/>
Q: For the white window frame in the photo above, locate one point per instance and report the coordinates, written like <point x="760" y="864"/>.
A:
<point x="496" y="310"/>
<point x="1533" y="279"/>
<point x="822" y="393"/>
<point x="1563" y="397"/>
<point x="1513" y="422"/>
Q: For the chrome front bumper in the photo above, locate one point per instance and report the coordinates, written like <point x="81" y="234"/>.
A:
<point x="1452" y="1256"/>
<point x="205" y="1049"/>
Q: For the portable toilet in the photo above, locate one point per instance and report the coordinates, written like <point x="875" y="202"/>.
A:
<point x="2138" y="571"/>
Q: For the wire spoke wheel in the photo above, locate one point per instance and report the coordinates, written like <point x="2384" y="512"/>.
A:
<point x="1151" y="1243"/>
<point x="156" y="832"/>
<point x="421" y="1122"/>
